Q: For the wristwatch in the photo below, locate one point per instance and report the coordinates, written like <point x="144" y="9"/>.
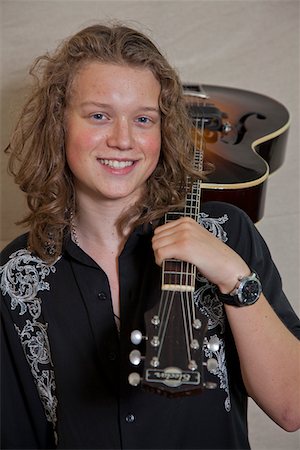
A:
<point x="247" y="292"/>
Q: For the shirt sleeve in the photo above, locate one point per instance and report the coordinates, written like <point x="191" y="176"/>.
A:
<point x="23" y="424"/>
<point x="246" y="240"/>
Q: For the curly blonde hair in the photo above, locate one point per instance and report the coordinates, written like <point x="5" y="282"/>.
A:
<point x="37" y="146"/>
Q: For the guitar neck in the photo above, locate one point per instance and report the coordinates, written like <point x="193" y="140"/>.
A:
<point x="180" y="275"/>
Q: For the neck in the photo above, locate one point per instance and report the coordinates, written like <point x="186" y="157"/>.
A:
<point x="97" y="227"/>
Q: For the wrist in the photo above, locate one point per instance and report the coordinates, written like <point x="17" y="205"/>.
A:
<point x="232" y="284"/>
<point x="246" y="291"/>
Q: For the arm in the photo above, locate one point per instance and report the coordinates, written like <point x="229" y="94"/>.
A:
<point x="269" y="354"/>
<point x="270" y="361"/>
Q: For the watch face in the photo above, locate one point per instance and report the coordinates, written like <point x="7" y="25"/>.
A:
<point x="249" y="291"/>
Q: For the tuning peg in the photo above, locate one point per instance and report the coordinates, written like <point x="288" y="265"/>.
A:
<point x="155" y="341"/>
<point x="197" y="324"/>
<point x="210" y="385"/>
<point x="194" y="344"/>
<point x="135" y="357"/>
<point x="213" y="344"/>
<point x="155" y="361"/>
<point x="211" y="364"/>
<point x="134" y="379"/>
<point x="136" y="337"/>
<point x="192" y="365"/>
<point x="155" y="320"/>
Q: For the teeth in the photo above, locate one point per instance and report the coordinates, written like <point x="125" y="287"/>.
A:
<point x="116" y="164"/>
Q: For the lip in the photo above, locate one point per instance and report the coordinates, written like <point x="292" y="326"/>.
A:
<point x="117" y="166"/>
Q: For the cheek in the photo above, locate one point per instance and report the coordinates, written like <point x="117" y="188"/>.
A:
<point x="156" y="149"/>
<point x="78" y="146"/>
<point x="153" y="146"/>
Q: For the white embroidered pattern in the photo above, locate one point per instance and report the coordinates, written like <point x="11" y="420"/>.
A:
<point x="214" y="225"/>
<point x="22" y="277"/>
<point x="210" y="306"/>
<point x="220" y="371"/>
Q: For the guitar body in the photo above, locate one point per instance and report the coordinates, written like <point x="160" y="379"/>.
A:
<point x="248" y="147"/>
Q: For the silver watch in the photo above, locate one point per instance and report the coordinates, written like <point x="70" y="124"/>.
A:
<point x="246" y="293"/>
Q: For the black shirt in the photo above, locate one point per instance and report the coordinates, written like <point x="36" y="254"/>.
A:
<point x="65" y="366"/>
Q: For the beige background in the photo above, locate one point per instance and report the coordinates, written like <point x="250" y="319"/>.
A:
<point x="247" y="44"/>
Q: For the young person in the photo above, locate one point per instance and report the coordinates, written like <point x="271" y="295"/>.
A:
<point x="103" y="151"/>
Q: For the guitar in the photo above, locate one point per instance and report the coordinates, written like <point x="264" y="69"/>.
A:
<point x="175" y="328"/>
<point x="245" y="135"/>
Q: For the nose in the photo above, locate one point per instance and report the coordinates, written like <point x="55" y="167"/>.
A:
<point x="121" y="135"/>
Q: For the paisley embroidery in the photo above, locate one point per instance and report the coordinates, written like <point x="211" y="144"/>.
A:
<point x="220" y="371"/>
<point x="214" y="225"/>
<point x="206" y="300"/>
<point x="22" y="277"/>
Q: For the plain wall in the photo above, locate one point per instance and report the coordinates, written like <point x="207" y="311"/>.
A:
<point x="252" y="45"/>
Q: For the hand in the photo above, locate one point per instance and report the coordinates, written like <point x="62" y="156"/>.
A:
<point x="187" y="240"/>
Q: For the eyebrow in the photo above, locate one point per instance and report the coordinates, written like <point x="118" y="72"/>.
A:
<point x="107" y="105"/>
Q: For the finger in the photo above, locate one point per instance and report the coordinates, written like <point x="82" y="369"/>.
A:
<point x="182" y="221"/>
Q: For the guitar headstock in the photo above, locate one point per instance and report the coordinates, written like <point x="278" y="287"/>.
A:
<point x="173" y="364"/>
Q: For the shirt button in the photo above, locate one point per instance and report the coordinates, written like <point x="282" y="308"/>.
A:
<point x="130" y="418"/>
<point x="102" y="296"/>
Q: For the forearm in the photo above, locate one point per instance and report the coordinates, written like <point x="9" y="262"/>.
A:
<point x="270" y="361"/>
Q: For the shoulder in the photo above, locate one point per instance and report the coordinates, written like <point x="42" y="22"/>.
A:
<point x="17" y="258"/>
<point x="225" y="220"/>
<point x="235" y="227"/>
<point x="20" y="243"/>
<point x="22" y="274"/>
<point x="221" y="209"/>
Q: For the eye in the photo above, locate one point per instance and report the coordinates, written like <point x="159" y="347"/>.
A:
<point x="98" y="116"/>
<point x="144" y="119"/>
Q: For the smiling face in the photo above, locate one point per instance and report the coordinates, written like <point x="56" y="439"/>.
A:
<point x="113" y="131"/>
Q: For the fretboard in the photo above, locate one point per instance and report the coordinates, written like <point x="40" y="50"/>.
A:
<point x="180" y="275"/>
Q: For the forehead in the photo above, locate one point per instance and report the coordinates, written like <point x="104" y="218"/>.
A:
<point x="97" y="78"/>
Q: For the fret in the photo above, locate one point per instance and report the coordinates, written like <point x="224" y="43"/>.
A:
<point x="178" y="288"/>
<point x="177" y="275"/>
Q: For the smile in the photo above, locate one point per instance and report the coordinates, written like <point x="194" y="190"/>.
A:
<point x="116" y="164"/>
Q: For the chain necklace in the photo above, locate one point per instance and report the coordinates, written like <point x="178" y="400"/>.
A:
<point x="74" y="238"/>
<point x="74" y="235"/>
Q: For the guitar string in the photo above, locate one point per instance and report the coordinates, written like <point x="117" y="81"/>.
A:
<point x="194" y="211"/>
<point x="195" y="204"/>
<point x="186" y="326"/>
<point x="164" y="329"/>
<point x="188" y="303"/>
<point x="160" y="305"/>
<point x="162" y="310"/>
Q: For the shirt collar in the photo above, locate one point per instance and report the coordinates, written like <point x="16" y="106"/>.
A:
<point x="75" y="252"/>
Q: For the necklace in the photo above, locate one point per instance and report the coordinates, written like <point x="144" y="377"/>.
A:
<point x="74" y="238"/>
<point x="74" y="235"/>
